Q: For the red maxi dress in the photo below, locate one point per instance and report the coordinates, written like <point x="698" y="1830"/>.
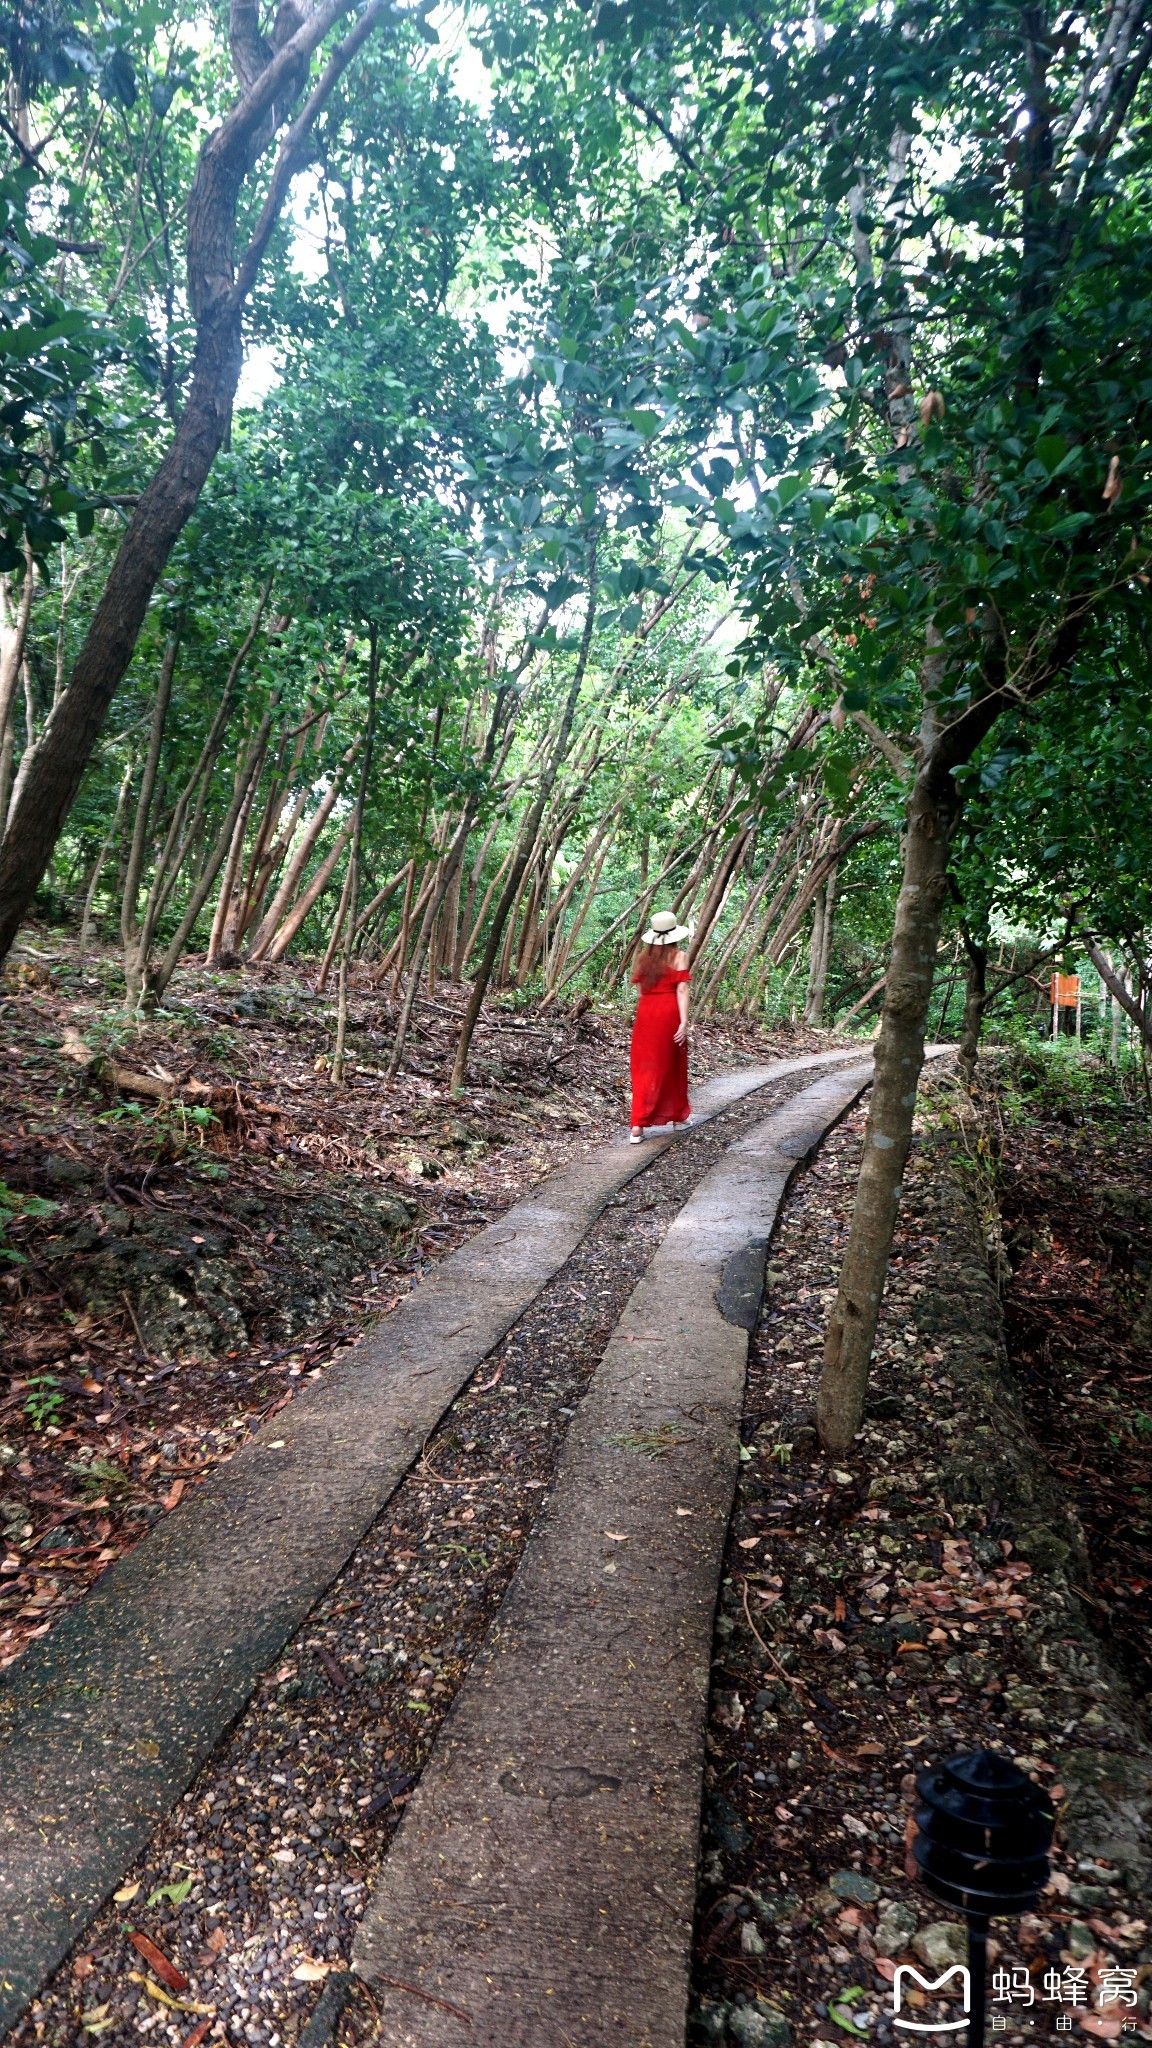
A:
<point x="659" y="1066"/>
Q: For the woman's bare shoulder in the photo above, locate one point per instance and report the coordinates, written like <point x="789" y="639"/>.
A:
<point x="680" y="961"/>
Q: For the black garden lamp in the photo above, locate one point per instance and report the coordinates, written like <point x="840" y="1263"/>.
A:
<point x="984" y="1832"/>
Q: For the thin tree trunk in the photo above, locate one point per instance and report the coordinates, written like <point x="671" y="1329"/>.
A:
<point x="449" y="871"/>
<point x="815" y="950"/>
<point x="709" y="994"/>
<point x="489" y="893"/>
<point x="862" y="1002"/>
<point x="563" y="950"/>
<point x="13" y="640"/>
<point x="527" y="839"/>
<point x="933" y="810"/>
<point x="226" y="902"/>
<point x="308" y="899"/>
<point x="349" y="919"/>
<point x="643" y="901"/>
<point x="129" y="900"/>
<point x="334" y="935"/>
<point x="380" y="901"/>
<point x="814" y="1011"/>
<point x="106" y="847"/>
<point x="953" y="972"/>
<point x="714" y="901"/>
<point x="975" y="1004"/>
<point x="268" y="929"/>
<point x="1121" y="993"/>
<point x="158" y="978"/>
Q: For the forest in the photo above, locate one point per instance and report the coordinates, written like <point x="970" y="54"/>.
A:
<point x="472" y="475"/>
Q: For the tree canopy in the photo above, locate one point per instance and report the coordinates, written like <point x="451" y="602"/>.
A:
<point x="466" y="475"/>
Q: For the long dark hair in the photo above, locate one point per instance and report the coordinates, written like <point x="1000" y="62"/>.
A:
<point x="652" y="963"/>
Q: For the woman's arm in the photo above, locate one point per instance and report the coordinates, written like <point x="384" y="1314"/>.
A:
<point x="679" y="1035"/>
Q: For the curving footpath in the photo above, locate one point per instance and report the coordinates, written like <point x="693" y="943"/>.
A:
<point x="542" y="1885"/>
<point x="105" y="1723"/>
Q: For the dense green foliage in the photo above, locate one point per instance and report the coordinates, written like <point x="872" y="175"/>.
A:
<point x="744" y="386"/>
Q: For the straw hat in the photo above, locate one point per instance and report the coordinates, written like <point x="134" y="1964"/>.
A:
<point x="664" y="930"/>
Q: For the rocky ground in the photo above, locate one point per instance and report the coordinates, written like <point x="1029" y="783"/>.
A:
<point x="172" y="1268"/>
<point x="933" y="1595"/>
<point x="1076" y="1203"/>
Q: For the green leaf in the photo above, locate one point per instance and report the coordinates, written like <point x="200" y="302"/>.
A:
<point x="175" y="1893"/>
<point x="1050" y="451"/>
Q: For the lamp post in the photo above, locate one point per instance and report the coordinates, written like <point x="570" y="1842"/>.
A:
<point x="984" y="1832"/>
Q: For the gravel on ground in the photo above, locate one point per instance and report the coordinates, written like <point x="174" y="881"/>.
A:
<point x="884" y="1615"/>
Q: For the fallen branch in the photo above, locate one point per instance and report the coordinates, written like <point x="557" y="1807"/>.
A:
<point x="863" y="1002"/>
<point x="157" y="1087"/>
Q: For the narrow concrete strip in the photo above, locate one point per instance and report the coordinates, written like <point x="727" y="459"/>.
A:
<point x="105" y="1723"/>
<point x="540" y="1892"/>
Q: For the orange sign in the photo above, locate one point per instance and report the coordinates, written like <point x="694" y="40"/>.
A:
<point x="1066" y="990"/>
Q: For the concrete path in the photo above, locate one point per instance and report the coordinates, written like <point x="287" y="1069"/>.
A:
<point x="541" y="1889"/>
<point x="105" y="1723"/>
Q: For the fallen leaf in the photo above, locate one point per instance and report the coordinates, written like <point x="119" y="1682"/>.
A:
<point x="614" y="1536"/>
<point x="198" y="2033"/>
<point x="748" y="1542"/>
<point x="177" y="1893"/>
<point x="164" y="1998"/>
<point x="171" y="1499"/>
<point x="165" y="1970"/>
<point x="217" y="1941"/>
<point x="870" y="1749"/>
<point x="309" y="1972"/>
<point x="1103" y="2029"/>
<point x="126" y="1894"/>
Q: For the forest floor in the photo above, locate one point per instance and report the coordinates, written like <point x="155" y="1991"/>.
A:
<point x="950" y="1587"/>
<point x="179" y="1271"/>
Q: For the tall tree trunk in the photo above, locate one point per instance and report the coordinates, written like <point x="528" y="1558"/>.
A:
<point x="218" y="287"/>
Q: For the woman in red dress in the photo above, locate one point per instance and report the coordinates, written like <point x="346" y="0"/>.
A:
<point x="660" y="1033"/>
